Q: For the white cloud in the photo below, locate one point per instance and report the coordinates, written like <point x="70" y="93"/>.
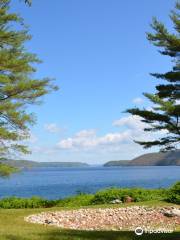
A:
<point x="115" y="138"/>
<point x="132" y="122"/>
<point x="131" y="128"/>
<point x="88" y="139"/>
<point x="88" y="145"/>
<point x="93" y="142"/>
<point x="138" y="100"/>
<point x="66" y="143"/>
<point x="84" y="138"/>
<point x="86" y="133"/>
<point x="51" y="127"/>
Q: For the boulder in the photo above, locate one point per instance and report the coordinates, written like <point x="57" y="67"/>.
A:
<point x="128" y="199"/>
<point x="47" y="221"/>
<point x="172" y="213"/>
<point x="176" y="212"/>
<point x="116" y="201"/>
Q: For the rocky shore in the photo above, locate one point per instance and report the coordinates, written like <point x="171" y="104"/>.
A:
<point x="126" y="218"/>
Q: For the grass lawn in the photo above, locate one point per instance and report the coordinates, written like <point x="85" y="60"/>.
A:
<point x="13" y="227"/>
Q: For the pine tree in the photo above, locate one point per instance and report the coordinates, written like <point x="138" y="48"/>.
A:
<point x="18" y="86"/>
<point x="165" y="115"/>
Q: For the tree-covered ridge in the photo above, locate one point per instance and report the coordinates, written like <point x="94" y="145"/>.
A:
<point x="32" y="164"/>
<point x="18" y="84"/>
<point x="150" y="159"/>
<point x="165" y="115"/>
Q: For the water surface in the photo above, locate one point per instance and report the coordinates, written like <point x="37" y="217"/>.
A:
<point x="54" y="183"/>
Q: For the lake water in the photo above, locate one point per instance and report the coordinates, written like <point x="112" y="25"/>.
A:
<point x="54" y="183"/>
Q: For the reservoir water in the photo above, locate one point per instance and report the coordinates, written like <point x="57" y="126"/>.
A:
<point x="54" y="183"/>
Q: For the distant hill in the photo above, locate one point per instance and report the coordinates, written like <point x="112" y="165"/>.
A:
<point x="157" y="159"/>
<point x="150" y="159"/>
<point x="31" y="164"/>
<point x="117" y="163"/>
<point x="62" y="164"/>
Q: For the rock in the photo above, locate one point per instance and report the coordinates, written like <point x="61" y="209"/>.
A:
<point x="176" y="212"/>
<point x="109" y="218"/>
<point x="168" y="214"/>
<point x="128" y="199"/>
<point x="48" y="221"/>
<point x="116" y="201"/>
<point x="172" y="213"/>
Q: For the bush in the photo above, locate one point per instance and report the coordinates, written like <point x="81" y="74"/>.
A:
<point x="34" y="202"/>
<point x="101" y="197"/>
<point x="138" y="195"/>
<point x="6" y="170"/>
<point x="77" y="200"/>
<point x="174" y="193"/>
<point x="37" y="202"/>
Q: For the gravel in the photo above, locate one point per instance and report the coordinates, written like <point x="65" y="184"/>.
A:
<point x="127" y="218"/>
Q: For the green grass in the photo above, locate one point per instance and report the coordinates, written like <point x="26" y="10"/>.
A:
<point x="13" y="227"/>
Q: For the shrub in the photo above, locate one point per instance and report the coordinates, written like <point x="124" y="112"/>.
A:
<point x="34" y="202"/>
<point x="77" y="200"/>
<point x="138" y="194"/>
<point x="174" y="193"/>
<point x="6" y="170"/>
<point x="101" y="197"/>
<point x="37" y="202"/>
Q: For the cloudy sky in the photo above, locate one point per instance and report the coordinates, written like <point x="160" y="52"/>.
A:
<point x="99" y="55"/>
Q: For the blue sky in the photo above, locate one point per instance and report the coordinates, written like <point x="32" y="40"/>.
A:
<point x="99" y="55"/>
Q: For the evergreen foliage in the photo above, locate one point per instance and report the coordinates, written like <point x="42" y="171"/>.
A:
<point x="165" y="115"/>
<point x="174" y="193"/>
<point x="18" y="84"/>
